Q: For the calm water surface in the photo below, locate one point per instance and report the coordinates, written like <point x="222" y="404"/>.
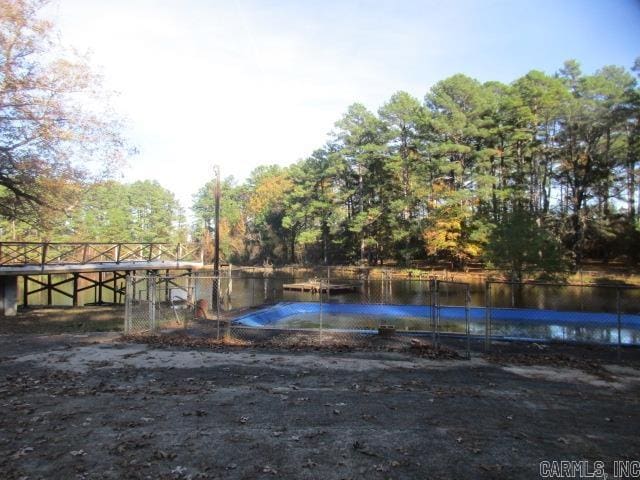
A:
<point x="248" y="291"/>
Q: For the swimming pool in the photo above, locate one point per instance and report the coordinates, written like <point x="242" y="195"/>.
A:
<point x="517" y="323"/>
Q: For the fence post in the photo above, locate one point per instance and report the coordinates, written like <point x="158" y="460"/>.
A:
<point x="151" y="280"/>
<point x="432" y="310"/>
<point x="127" y="303"/>
<point x="467" y="302"/>
<point x="513" y="296"/>
<point x="216" y="288"/>
<point x="253" y="291"/>
<point x="437" y="312"/>
<point x="433" y="285"/>
<point x="328" y="282"/>
<point x="265" y="281"/>
<point x="227" y="330"/>
<point x="487" y="312"/>
<point x="321" y="313"/>
<point x="619" y="321"/>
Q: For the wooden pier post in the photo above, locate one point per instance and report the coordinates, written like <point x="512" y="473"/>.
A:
<point x="100" y="281"/>
<point x="8" y="296"/>
<point x="75" y="289"/>
<point x="25" y="290"/>
<point x="49" y="291"/>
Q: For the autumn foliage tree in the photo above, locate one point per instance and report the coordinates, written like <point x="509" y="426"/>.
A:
<point x="56" y="130"/>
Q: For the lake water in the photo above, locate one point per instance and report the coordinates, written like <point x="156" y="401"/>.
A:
<point x="247" y="291"/>
<point x="254" y="291"/>
<point x="568" y="299"/>
<point x="251" y="291"/>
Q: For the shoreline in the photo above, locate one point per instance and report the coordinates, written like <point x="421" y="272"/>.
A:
<point x="592" y="276"/>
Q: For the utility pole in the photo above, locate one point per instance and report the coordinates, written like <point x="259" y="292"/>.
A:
<point x="216" y="246"/>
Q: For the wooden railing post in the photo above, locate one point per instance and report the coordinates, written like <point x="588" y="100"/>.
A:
<point x="44" y="247"/>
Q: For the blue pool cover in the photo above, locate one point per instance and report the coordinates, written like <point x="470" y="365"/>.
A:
<point x="273" y="314"/>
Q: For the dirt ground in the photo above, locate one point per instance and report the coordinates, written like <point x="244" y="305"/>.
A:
<point x="105" y="318"/>
<point x="94" y="406"/>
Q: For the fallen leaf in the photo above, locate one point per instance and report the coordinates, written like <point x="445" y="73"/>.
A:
<point x="269" y="469"/>
<point x="22" y="452"/>
<point x="309" y="464"/>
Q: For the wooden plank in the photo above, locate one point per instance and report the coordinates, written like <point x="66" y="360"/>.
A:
<point x="97" y="267"/>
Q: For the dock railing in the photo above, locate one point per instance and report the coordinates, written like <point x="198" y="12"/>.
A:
<point x="81" y="253"/>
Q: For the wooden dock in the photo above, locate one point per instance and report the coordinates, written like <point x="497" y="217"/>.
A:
<point x="317" y="287"/>
<point x="80" y="266"/>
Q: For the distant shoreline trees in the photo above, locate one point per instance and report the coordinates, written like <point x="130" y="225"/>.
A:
<point x="110" y="211"/>
<point x="544" y="170"/>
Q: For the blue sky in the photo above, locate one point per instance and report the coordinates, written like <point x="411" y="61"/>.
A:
<point x="246" y="82"/>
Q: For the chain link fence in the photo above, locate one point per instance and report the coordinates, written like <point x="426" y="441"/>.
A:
<point x="560" y="312"/>
<point x="334" y="310"/>
<point x="318" y="308"/>
<point x="312" y="310"/>
<point x="451" y="317"/>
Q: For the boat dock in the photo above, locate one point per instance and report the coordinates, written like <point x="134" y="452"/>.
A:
<point x="316" y="287"/>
